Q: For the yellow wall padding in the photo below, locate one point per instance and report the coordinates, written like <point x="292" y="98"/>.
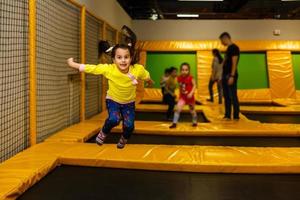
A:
<point x="210" y="44"/>
<point x="298" y="94"/>
<point x="204" y="61"/>
<point x="255" y="95"/>
<point x="281" y="76"/>
<point x="32" y="72"/>
<point x="25" y="169"/>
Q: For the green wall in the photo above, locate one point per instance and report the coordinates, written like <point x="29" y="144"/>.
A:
<point x="296" y="67"/>
<point x="157" y="62"/>
<point x="253" y="72"/>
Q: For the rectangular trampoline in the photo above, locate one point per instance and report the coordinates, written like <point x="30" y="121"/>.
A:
<point x="78" y="182"/>
<point x="161" y="116"/>
<point x="254" y="141"/>
<point x="274" y="118"/>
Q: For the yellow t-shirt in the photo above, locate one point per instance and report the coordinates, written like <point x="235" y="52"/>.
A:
<point x="120" y="86"/>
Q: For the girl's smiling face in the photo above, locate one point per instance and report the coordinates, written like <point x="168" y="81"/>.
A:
<point x="122" y="59"/>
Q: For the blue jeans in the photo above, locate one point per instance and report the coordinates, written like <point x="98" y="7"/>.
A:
<point x="231" y="98"/>
<point x="118" y="112"/>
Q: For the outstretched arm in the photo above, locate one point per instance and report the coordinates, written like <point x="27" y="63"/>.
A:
<point x="73" y="64"/>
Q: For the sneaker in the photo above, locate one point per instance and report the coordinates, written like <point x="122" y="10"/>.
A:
<point x="236" y="119"/>
<point x="194" y="125"/>
<point x="122" y="142"/>
<point x="173" y="125"/>
<point x="100" y="138"/>
<point x="226" y="119"/>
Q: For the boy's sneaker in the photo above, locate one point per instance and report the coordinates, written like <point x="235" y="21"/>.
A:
<point x="194" y="125"/>
<point x="122" y="142"/>
<point x="100" y="138"/>
<point x="173" y="125"/>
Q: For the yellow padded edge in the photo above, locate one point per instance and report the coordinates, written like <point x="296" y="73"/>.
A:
<point x="245" y="45"/>
<point x="255" y="95"/>
<point x="186" y="158"/>
<point x="24" y="170"/>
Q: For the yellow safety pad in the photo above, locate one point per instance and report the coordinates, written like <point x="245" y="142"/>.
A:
<point x="298" y="94"/>
<point x="224" y="128"/>
<point x="270" y="110"/>
<point x="161" y="108"/>
<point x="287" y="102"/>
<point x="76" y="133"/>
<point x="28" y="167"/>
<point x="204" y="61"/>
<point x="245" y="45"/>
<point x="24" y="170"/>
<point x="255" y="95"/>
<point x="281" y="75"/>
<point x="186" y="158"/>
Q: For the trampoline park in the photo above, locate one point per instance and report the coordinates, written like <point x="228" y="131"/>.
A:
<point x="50" y="116"/>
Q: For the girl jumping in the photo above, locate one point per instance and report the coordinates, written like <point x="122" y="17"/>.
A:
<point x="120" y="99"/>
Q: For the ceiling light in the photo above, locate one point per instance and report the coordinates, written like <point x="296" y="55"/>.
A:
<point x="187" y="15"/>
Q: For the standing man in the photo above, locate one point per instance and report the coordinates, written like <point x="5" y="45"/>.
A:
<point x="230" y="77"/>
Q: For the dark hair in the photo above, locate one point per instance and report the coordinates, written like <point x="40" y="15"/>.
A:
<point x="225" y="34"/>
<point x="217" y="53"/>
<point x="167" y="70"/>
<point x="120" y="46"/>
<point x="172" y="69"/>
<point x="185" y="64"/>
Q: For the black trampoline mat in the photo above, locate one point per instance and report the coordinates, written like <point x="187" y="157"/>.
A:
<point x="205" y="140"/>
<point x="161" y="102"/>
<point x="162" y="116"/>
<point x="275" y="118"/>
<point x="89" y="183"/>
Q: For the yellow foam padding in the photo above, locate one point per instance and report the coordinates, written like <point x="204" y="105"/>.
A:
<point x="224" y="128"/>
<point x="298" y="94"/>
<point x="270" y="110"/>
<point x="245" y="45"/>
<point x="288" y="102"/>
<point x="27" y="168"/>
<point x="76" y="133"/>
<point x="204" y="61"/>
<point x="160" y="108"/>
<point x="281" y="75"/>
<point x="251" y="95"/>
<point x="255" y="95"/>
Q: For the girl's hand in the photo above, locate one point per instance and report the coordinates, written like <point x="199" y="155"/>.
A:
<point x="230" y="80"/>
<point x="190" y="95"/>
<point x="73" y="64"/>
<point x="70" y="61"/>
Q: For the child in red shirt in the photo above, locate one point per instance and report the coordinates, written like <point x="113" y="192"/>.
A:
<point x="187" y="88"/>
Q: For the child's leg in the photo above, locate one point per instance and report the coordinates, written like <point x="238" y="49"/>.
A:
<point x="113" y="120"/>
<point x="170" y="100"/>
<point x="194" y="114"/>
<point x="128" y="115"/>
<point x="180" y="106"/>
